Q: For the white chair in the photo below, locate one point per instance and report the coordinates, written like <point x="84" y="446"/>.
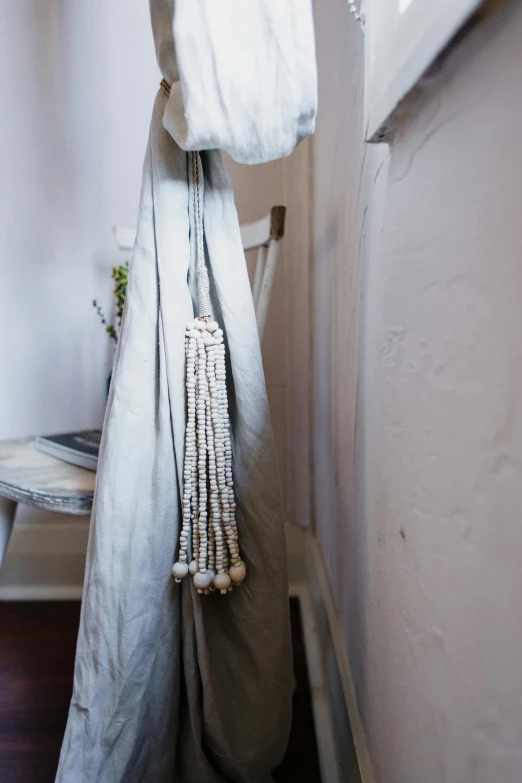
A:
<point x="27" y="476"/>
<point x="263" y="235"/>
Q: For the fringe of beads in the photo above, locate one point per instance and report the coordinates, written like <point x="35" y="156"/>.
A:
<point x="208" y="529"/>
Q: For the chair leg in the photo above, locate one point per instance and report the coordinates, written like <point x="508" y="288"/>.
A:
<point x="266" y="287"/>
<point x="7" y="515"/>
<point x="258" y="274"/>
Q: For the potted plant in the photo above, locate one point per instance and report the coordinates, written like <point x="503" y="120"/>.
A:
<point x="120" y="275"/>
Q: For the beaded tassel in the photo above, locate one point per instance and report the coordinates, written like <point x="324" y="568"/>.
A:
<point x="208" y="525"/>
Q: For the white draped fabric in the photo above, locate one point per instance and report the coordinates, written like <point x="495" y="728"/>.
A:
<point x="171" y="686"/>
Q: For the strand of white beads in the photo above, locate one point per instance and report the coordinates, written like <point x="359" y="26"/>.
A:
<point x="237" y="570"/>
<point x="222" y="580"/>
<point x="191" y="449"/>
<point x="356" y="13"/>
<point x="215" y="508"/>
<point x="189" y="502"/>
<point x="211" y="474"/>
<point x="202" y="578"/>
<point x="208" y="452"/>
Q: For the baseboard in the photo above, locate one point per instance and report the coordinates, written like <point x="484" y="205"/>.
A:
<point x="342" y="747"/>
<point x="45" y="559"/>
<point x="323" y="716"/>
<point x="324" y="606"/>
<point x="46" y="592"/>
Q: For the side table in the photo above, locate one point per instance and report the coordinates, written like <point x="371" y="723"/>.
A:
<point x="28" y="476"/>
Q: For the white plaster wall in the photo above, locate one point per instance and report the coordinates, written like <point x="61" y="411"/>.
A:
<point x="418" y="403"/>
<point x="77" y="83"/>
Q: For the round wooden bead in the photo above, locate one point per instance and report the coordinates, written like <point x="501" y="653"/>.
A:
<point x="237" y="572"/>
<point x="222" y="581"/>
<point x="193" y="568"/>
<point x="179" y="570"/>
<point x="202" y="580"/>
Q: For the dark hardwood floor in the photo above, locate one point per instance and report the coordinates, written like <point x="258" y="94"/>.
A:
<point x="37" y="645"/>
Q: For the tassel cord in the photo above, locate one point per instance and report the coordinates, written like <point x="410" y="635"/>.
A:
<point x="209" y="524"/>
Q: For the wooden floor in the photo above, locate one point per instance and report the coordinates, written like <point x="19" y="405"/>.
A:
<point x="37" y="644"/>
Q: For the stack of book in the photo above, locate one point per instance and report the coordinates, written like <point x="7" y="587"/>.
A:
<point x="78" y="448"/>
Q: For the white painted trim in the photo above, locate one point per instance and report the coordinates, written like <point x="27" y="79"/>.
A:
<point x="41" y="593"/>
<point x="310" y="584"/>
<point x="317" y="571"/>
<point x="399" y="48"/>
<point x="324" y="735"/>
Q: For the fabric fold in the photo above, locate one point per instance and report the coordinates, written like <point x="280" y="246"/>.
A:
<point x="247" y="77"/>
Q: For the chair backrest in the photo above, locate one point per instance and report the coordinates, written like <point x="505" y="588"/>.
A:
<point x="264" y="235"/>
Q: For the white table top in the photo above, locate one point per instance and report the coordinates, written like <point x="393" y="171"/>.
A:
<point x="28" y="476"/>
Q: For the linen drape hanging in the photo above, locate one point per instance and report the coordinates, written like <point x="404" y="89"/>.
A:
<point x="171" y="686"/>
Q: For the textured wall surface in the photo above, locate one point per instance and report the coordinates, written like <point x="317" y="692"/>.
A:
<point x="77" y="85"/>
<point x="418" y="403"/>
<point x="78" y="82"/>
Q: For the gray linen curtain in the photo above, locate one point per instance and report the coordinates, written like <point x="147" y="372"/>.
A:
<point x="171" y="686"/>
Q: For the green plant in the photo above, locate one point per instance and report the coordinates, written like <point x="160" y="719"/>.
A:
<point x="120" y="274"/>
